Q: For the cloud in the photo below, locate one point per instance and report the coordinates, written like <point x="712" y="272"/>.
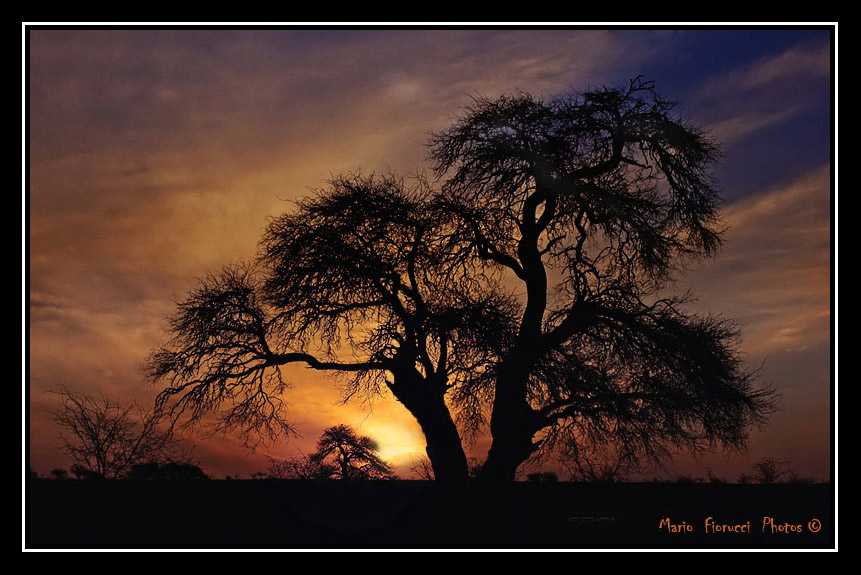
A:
<point x="773" y="275"/>
<point x="767" y="92"/>
<point x="728" y="130"/>
<point x="811" y="61"/>
<point x="773" y="280"/>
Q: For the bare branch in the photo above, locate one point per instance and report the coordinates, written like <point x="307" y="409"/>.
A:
<point x="106" y="438"/>
<point x="608" y="191"/>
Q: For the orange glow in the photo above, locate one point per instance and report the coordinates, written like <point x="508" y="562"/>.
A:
<point x="151" y="166"/>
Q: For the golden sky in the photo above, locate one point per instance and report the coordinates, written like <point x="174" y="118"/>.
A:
<point x="156" y="156"/>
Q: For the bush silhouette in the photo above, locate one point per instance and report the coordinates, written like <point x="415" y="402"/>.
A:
<point x="768" y="472"/>
<point x="543" y="476"/>
<point x="168" y="471"/>
<point x="59" y="474"/>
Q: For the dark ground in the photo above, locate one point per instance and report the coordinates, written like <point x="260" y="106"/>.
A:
<point x="272" y="514"/>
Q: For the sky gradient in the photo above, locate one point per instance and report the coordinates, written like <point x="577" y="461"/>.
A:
<point x="156" y="156"/>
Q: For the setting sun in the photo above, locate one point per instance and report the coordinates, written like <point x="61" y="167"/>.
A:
<point x="400" y="443"/>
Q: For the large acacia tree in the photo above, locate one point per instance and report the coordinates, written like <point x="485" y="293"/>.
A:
<point x="352" y="282"/>
<point x="591" y="202"/>
<point x="583" y="206"/>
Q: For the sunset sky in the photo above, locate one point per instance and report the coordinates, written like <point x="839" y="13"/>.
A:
<point x="156" y="156"/>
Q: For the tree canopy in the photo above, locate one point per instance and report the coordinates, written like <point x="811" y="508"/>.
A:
<point x="355" y="282"/>
<point x="350" y="455"/>
<point x="593" y="201"/>
<point x="525" y="289"/>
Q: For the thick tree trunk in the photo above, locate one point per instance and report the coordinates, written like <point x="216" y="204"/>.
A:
<point x="505" y="456"/>
<point x="513" y="423"/>
<point x="444" y="446"/>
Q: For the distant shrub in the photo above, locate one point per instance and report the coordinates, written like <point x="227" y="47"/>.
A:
<point x="712" y="478"/>
<point x="83" y="472"/>
<point x="300" y="467"/>
<point x="170" y="471"/>
<point x="543" y="476"/>
<point x="475" y="465"/>
<point x="596" y="466"/>
<point x="422" y="468"/>
<point x="797" y="479"/>
<point x="58" y="474"/>
<point x="768" y="472"/>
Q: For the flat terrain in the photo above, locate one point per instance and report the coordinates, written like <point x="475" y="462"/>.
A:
<point x="272" y="514"/>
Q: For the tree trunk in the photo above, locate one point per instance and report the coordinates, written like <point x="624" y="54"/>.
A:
<point x="513" y="423"/>
<point x="444" y="446"/>
<point x="504" y="457"/>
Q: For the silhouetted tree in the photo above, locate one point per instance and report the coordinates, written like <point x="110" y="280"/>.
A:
<point x="591" y="202"/>
<point x="106" y="438"/>
<point x="422" y="468"/>
<point x="353" y="282"/>
<point x="768" y="471"/>
<point x="350" y="455"/>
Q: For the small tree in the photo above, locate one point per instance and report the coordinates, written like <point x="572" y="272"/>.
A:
<point x="422" y="469"/>
<point x="106" y="438"/>
<point x="351" y="456"/>
<point x="768" y="471"/>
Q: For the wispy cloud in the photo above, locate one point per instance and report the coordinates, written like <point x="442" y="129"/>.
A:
<point x="773" y="275"/>
<point x="728" y="130"/>
<point x="810" y="61"/>
<point x="767" y="92"/>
